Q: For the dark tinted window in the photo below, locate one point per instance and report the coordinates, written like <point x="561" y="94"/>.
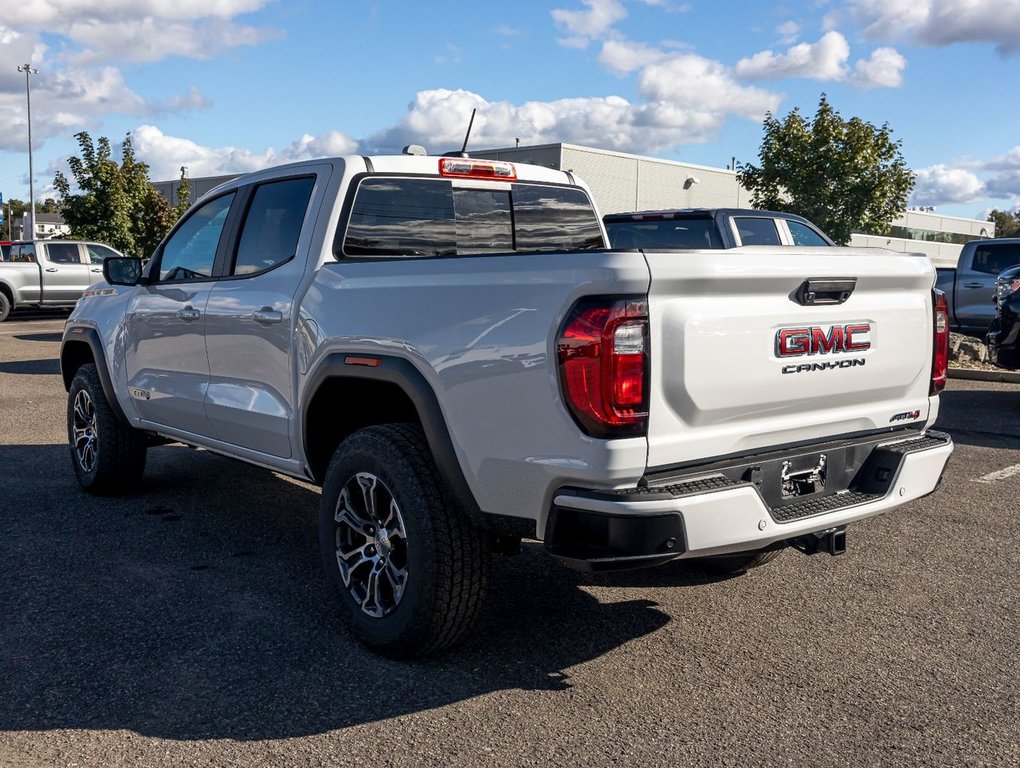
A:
<point x="190" y="253"/>
<point x="5" y="252"/>
<point x="554" y="219"/>
<point x="664" y="233"/>
<point x="803" y="234"/>
<point x="431" y="217"/>
<point x="273" y="225"/>
<point x="992" y="259"/>
<point x="756" y="231"/>
<point x="63" y="253"/>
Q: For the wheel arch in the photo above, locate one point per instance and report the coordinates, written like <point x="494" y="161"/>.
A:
<point x="392" y="391"/>
<point x="81" y="346"/>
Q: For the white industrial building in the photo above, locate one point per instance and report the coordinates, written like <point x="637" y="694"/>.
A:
<point x="625" y="182"/>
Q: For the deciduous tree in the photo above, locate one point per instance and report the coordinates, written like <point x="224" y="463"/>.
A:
<point x="844" y="175"/>
<point x="1007" y="223"/>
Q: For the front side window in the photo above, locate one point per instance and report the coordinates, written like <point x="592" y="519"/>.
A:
<point x="755" y="230"/>
<point x="273" y="225"/>
<point x="190" y="252"/>
<point x="992" y="259"/>
<point x="803" y="234"/>
<point x="432" y="217"/>
<point x="99" y="253"/>
<point x="63" y="253"/>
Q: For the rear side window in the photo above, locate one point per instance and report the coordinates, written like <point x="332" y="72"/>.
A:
<point x="24" y="252"/>
<point x="432" y="217"/>
<point x="755" y="230"/>
<point x="803" y="234"/>
<point x="63" y="253"/>
<point x="273" y="225"/>
<point x="664" y="233"/>
<point x="992" y="259"/>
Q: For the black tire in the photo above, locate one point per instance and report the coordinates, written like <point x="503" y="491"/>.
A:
<point x="739" y="562"/>
<point x="431" y="564"/>
<point x="108" y="456"/>
<point x="5" y="307"/>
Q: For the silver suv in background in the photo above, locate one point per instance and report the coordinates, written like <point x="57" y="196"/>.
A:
<point x="49" y="273"/>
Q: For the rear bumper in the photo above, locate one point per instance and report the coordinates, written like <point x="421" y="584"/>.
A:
<point x="715" y="514"/>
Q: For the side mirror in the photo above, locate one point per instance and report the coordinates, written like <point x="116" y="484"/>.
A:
<point x="122" y="270"/>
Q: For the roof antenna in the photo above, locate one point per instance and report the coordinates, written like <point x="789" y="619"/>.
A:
<point x="463" y="150"/>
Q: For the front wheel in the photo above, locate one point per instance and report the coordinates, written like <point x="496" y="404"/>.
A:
<point x="5" y="307"/>
<point x="409" y="566"/>
<point x="108" y="455"/>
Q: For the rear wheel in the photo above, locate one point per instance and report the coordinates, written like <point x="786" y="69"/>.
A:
<point x="409" y="566"/>
<point x="5" y="307"/>
<point x="108" y="456"/>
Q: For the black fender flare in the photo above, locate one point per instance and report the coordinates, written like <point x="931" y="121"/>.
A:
<point x="402" y="373"/>
<point x="77" y="334"/>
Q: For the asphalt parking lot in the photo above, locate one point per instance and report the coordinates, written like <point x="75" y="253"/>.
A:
<point x="188" y="625"/>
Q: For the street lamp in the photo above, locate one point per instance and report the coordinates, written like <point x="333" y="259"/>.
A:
<point x="29" y="71"/>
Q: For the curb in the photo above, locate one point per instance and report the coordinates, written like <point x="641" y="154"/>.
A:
<point x="1005" y="377"/>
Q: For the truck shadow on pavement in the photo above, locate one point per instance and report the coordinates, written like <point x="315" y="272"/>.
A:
<point x="988" y="418"/>
<point x="194" y="608"/>
<point x="49" y="367"/>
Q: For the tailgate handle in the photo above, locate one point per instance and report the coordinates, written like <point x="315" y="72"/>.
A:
<point x="833" y="290"/>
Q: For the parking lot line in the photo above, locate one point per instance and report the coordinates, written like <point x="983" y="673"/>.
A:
<point x="1002" y="474"/>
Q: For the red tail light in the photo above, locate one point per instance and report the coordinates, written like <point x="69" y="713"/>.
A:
<point x="603" y="352"/>
<point x="940" y="356"/>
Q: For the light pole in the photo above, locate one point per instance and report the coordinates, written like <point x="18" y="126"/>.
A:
<point x="29" y="71"/>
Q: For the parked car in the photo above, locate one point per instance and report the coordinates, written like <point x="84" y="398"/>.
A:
<point x="970" y="287"/>
<point x="49" y="273"/>
<point x="1003" y="337"/>
<point x="710" y="228"/>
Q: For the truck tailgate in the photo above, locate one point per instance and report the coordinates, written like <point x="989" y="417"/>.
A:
<point x="739" y="364"/>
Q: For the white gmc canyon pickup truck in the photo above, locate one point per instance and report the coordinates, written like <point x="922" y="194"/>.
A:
<point x="447" y="346"/>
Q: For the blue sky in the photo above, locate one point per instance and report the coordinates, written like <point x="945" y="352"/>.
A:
<point x="224" y="86"/>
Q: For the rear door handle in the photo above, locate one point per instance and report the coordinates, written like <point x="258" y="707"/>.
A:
<point x="188" y="314"/>
<point x="267" y="315"/>
<point x="52" y="269"/>
<point x="975" y="285"/>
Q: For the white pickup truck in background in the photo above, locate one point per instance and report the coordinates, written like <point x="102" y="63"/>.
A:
<point x="49" y="273"/>
<point x="449" y="348"/>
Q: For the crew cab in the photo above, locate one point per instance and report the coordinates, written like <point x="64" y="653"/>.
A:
<point x="447" y="346"/>
<point x="49" y="273"/>
<point x="970" y="288"/>
<point x="710" y="228"/>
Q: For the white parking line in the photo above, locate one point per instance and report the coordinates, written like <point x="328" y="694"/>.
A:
<point x="1002" y="474"/>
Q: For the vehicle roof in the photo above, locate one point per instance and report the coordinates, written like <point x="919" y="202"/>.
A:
<point x="681" y="212"/>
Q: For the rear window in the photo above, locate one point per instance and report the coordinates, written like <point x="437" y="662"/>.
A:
<point x="755" y="230"/>
<point x="394" y="217"/>
<point x="664" y="233"/>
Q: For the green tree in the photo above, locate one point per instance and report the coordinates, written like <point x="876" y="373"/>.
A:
<point x="844" y="175"/>
<point x="115" y="203"/>
<point x="1007" y="223"/>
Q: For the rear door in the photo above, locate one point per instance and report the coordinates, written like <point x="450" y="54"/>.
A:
<point x="249" y="323"/>
<point x="739" y="364"/>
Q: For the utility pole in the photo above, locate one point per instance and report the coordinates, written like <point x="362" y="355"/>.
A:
<point x="29" y="71"/>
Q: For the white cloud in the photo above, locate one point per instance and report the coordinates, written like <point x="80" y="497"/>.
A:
<point x="594" y="23"/>
<point x="699" y="85"/>
<point x="166" y="154"/>
<point x="788" y="32"/>
<point x="824" y="60"/>
<point x="883" y="69"/>
<point x="624" y="56"/>
<point x="140" y="30"/>
<point x="1007" y="162"/>
<point x="1005" y="185"/>
<point x="940" y="185"/>
<point x="942" y="22"/>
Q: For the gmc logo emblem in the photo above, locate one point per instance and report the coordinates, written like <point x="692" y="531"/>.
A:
<point x="814" y="340"/>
